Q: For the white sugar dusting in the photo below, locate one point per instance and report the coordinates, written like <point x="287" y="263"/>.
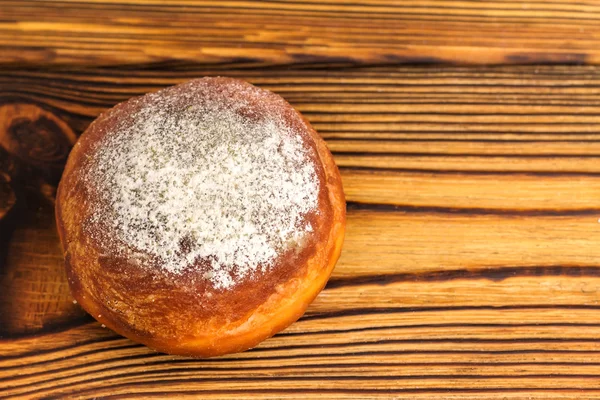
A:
<point x="194" y="177"/>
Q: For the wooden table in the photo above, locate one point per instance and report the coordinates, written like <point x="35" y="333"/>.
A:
<point x="467" y="137"/>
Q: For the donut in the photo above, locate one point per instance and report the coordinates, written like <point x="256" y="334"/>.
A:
<point x="201" y="219"/>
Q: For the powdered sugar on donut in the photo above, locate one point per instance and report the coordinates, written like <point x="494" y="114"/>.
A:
<point x="193" y="174"/>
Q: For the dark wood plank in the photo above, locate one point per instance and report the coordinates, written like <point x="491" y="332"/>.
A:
<point x="94" y="32"/>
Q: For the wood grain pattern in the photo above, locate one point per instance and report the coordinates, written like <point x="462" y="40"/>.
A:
<point x="471" y="267"/>
<point x="106" y="32"/>
<point x="33" y="294"/>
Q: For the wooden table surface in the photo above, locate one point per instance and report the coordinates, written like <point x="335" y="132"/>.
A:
<point x="467" y="135"/>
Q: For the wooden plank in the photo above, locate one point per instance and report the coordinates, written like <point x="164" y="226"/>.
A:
<point x="471" y="265"/>
<point x="527" y="194"/>
<point x="108" y="32"/>
<point x="439" y="346"/>
<point x="399" y="241"/>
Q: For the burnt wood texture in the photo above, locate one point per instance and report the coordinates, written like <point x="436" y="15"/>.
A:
<point x="466" y="133"/>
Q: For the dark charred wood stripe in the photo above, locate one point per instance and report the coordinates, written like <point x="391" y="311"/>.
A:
<point x="387" y="70"/>
<point x="455" y="132"/>
<point x="438" y="326"/>
<point x="457" y="155"/>
<point x="356" y="311"/>
<point x="323" y="86"/>
<point x="493" y="274"/>
<point x="408" y="209"/>
<point x="244" y="65"/>
<point x="376" y="170"/>
<point x="361" y="140"/>
<point x="470" y="113"/>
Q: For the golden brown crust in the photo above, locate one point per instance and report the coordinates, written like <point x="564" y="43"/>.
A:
<point x="165" y="311"/>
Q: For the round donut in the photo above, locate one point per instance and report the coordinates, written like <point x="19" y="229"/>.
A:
<point x="200" y="219"/>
